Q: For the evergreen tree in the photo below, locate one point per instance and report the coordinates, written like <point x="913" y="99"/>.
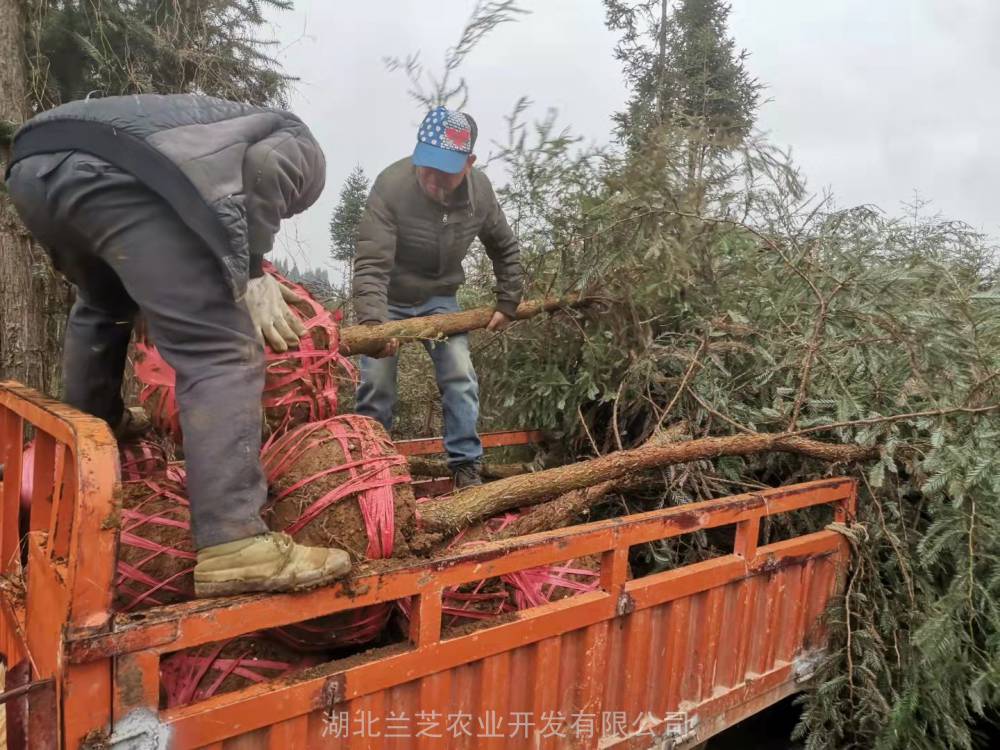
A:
<point x="736" y="303"/>
<point x="683" y="69"/>
<point x="345" y="220"/>
<point x="113" y="47"/>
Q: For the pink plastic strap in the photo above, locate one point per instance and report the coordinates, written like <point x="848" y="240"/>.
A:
<point x="369" y="474"/>
<point x="183" y="672"/>
<point x="529" y="588"/>
<point x="134" y="520"/>
<point x="309" y="374"/>
<point x="140" y="459"/>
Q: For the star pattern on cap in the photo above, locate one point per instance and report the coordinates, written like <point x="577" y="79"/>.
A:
<point x="448" y="130"/>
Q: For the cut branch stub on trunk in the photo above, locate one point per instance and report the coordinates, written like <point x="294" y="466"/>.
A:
<point x="372" y="339"/>
<point x="453" y="512"/>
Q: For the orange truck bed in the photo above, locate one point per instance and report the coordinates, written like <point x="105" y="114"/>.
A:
<point x="665" y="661"/>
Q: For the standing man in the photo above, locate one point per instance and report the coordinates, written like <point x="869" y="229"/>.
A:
<point x="422" y="215"/>
<point x="165" y="205"/>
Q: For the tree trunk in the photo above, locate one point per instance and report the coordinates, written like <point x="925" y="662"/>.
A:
<point x="371" y="339"/>
<point x="33" y="301"/>
<point x="566" y="509"/>
<point x="469" y="506"/>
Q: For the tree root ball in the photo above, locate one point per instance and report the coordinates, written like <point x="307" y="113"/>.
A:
<point x="341" y="483"/>
<point x="156" y="554"/>
<point x="493" y="597"/>
<point x="300" y="385"/>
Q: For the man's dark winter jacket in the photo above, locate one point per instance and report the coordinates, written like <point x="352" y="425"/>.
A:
<point x="231" y="171"/>
<point x="410" y="248"/>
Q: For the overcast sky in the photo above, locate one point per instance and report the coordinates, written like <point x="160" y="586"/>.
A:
<point x="875" y="98"/>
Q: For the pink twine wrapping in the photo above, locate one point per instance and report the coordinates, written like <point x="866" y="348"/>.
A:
<point x="369" y="475"/>
<point x="368" y="468"/>
<point x="197" y="674"/>
<point x="140" y="459"/>
<point x="135" y="586"/>
<point x="352" y="628"/>
<point x="522" y="589"/>
<point x="300" y="385"/>
<point x="27" y="476"/>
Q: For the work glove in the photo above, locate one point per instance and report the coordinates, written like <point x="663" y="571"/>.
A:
<point x="276" y="324"/>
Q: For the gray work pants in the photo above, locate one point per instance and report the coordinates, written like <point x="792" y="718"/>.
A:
<point x="126" y="250"/>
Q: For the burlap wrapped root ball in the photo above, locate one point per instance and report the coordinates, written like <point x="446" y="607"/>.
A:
<point x="493" y="597"/>
<point x="340" y="483"/>
<point x="300" y="385"/>
<point x="156" y="555"/>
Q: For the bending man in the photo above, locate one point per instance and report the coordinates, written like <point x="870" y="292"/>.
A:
<point x="165" y="205"/>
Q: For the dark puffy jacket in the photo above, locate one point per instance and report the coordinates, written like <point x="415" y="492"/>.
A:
<point x="231" y="171"/>
<point x="411" y="248"/>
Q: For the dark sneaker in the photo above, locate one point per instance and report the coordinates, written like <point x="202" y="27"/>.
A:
<point x="467" y="475"/>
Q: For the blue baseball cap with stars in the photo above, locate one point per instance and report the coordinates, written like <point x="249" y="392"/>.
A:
<point x="445" y="140"/>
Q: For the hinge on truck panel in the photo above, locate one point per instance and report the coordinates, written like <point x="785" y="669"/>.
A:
<point x="805" y="666"/>
<point x="139" y="730"/>
<point x="685" y="737"/>
<point x="626" y="604"/>
<point x="332" y="692"/>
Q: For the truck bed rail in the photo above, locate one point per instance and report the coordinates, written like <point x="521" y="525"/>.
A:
<point x="672" y="657"/>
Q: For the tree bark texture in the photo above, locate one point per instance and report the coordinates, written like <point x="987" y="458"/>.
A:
<point x="469" y="506"/>
<point x="33" y="300"/>
<point x="371" y="339"/>
<point x="567" y="509"/>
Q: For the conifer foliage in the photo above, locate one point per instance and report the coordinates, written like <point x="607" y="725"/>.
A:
<point x="113" y="47"/>
<point x="56" y="51"/>
<point x="736" y="301"/>
<point x="345" y="221"/>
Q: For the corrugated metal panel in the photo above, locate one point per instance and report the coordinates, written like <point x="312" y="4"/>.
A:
<point x="593" y="684"/>
<point x="572" y="673"/>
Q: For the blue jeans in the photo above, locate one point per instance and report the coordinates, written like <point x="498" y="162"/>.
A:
<point x="456" y="381"/>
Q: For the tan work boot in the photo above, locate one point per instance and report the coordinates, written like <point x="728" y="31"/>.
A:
<point x="266" y="562"/>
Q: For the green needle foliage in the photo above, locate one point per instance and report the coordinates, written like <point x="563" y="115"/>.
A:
<point x="729" y="299"/>
<point x="109" y="47"/>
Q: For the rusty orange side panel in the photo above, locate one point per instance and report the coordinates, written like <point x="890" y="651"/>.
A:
<point x="659" y="661"/>
<point x="425" y="446"/>
<point x="676" y="655"/>
<point x="70" y="550"/>
<point x="666" y="660"/>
